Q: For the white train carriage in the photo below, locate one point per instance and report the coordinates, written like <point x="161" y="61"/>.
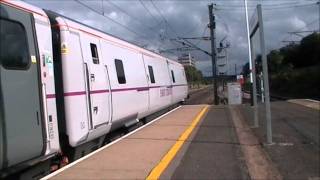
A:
<point x="28" y="118"/>
<point x="64" y="86"/>
<point x="108" y="82"/>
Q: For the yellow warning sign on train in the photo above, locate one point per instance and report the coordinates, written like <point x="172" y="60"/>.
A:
<point x="33" y="59"/>
<point x="64" y="48"/>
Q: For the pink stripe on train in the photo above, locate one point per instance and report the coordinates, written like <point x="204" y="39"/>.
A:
<point x="79" y="93"/>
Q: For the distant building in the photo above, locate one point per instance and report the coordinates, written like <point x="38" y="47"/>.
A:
<point x="187" y="60"/>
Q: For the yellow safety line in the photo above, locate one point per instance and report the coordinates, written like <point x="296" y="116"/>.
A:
<point x="157" y="171"/>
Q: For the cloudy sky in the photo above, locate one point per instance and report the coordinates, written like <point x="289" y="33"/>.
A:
<point x="154" y="23"/>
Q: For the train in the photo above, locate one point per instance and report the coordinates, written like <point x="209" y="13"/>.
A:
<point x="65" y="86"/>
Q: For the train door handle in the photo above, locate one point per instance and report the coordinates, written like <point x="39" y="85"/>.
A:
<point x="92" y="78"/>
<point x="38" y="120"/>
<point x="88" y="94"/>
<point x="95" y="109"/>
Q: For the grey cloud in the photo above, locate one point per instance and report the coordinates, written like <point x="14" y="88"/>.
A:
<point x="189" y="19"/>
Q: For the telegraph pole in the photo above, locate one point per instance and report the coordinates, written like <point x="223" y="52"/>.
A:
<point x="319" y="14"/>
<point x="212" y="26"/>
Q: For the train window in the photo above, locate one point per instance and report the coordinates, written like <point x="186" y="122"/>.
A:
<point x="13" y="45"/>
<point x="172" y="74"/>
<point x="94" y="53"/>
<point x="120" y="71"/>
<point x="151" y="74"/>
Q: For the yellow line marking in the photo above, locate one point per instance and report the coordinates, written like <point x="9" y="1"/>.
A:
<point x="163" y="164"/>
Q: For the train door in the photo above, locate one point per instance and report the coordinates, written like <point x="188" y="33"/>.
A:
<point x="150" y="80"/>
<point x="20" y="112"/>
<point x="173" y="79"/>
<point x="98" y="85"/>
<point x="159" y="83"/>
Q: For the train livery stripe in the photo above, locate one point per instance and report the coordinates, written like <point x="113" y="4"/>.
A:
<point x="179" y="85"/>
<point x="143" y="89"/>
<point x="99" y="91"/>
<point x="49" y="96"/>
<point x="74" y="93"/>
<point x="131" y="89"/>
<point x="154" y="87"/>
<point x="79" y="93"/>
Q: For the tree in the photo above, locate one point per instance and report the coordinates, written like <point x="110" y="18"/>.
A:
<point x="275" y="61"/>
<point x="309" y="50"/>
<point x="193" y="75"/>
<point x="290" y="54"/>
<point x="304" y="54"/>
<point x="246" y="70"/>
<point x="294" y="69"/>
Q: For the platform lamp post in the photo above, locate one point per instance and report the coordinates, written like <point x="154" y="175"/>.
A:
<point x="252" y="71"/>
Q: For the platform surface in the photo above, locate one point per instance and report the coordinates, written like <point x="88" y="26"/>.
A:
<point x="213" y="152"/>
<point x="135" y="156"/>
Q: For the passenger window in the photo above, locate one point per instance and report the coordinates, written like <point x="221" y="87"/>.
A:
<point x="120" y="71"/>
<point x="172" y="74"/>
<point x="14" y="51"/>
<point x="94" y="53"/>
<point x="151" y="74"/>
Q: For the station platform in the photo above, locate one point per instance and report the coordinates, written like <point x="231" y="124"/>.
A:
<point x="189" y="142"/>
<point x="139" y="152"/>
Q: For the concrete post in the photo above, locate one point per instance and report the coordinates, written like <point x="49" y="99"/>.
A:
<point x="265" y="75"/>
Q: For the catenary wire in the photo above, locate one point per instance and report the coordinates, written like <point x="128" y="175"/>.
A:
<point x="132" y="17"/>
<point x="164" y="19"/>
<point x="114" y="21"/>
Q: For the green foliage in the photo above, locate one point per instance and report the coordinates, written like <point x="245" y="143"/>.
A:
<point x="246" y="70"/>
<point x="194" y="76"/>
<point x="304" y="54"/>
<point x="294" y="70"/>
<point x="299" y="83"/>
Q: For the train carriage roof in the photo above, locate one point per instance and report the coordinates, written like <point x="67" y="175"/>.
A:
<point x="80" y="26"/>
<point x="25" y="7"/>
<point x="71" y="23"/>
